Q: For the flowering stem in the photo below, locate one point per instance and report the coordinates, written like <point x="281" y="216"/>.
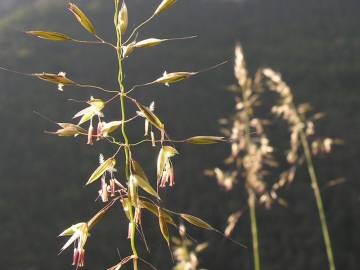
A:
<point x="319" y="202"/>
<point x="254" y="230"/>
<point x="252" y="196"/>
<point x="126" y="140"/>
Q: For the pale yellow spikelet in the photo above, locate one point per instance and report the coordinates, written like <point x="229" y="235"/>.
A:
<point x="123" y="18"/>
<point x="164" y="5"/>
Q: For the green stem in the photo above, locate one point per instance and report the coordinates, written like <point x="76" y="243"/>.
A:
<point x="123" y="130"/>
<point x="254" y="229"/>
<point x="252" y="196"/>
<point x="319" y="202"/>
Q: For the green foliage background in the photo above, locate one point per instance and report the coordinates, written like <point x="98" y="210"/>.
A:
<point x="314" y="44"/>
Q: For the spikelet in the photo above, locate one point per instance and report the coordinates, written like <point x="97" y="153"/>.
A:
<point x="123" y="18"/>
<point x="164" y="5"/>
<point x="53" y="36"/>
<point x="82" y="19"/>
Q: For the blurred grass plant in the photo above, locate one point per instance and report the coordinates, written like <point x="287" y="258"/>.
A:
<point x="303" y="142"/>
<point x="251" y="152"/>
<point x="252" y="155"/>
<point x="185" y="252"/>
<point x="135" y="192"/>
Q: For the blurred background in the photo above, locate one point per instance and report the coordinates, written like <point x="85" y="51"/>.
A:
<point x="314" y="44"/>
